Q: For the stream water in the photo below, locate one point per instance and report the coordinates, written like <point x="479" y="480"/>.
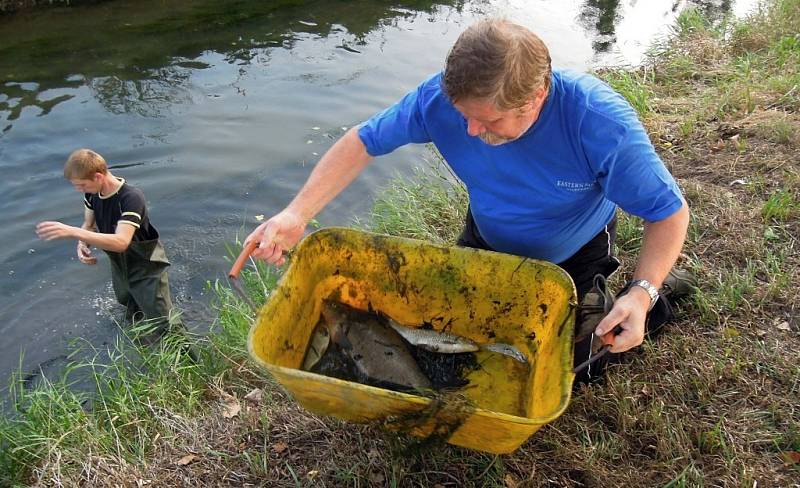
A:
<point x="218" y="110"/>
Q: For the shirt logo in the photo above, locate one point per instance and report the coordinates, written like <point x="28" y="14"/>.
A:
<point x="575" y="186"/>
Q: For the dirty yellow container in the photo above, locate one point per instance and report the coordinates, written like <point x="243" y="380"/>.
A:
<point x="484" y="296"/>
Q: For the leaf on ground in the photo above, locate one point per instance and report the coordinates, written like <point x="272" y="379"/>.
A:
<point x="279" y="447"/>
<point x="377" y="478"/>
<point x="311" y="475"/>
<point x="230" y="406"/>
<point x="186" y="460"/>
<point x="256" y="396"/>
<point x="783" y="326"/>
<point x="511" y="481"/>
<point x="791" y="457"/>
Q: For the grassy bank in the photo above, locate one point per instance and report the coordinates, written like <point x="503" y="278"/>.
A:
<point x="715" y="401"/>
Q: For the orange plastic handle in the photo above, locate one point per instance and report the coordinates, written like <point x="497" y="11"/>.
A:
<point x="242" y="259"/>
<point x="608" y="337"/>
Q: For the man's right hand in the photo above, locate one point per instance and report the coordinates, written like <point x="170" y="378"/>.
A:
<point x="85" y="254"/>
<point x="277" y="235"/>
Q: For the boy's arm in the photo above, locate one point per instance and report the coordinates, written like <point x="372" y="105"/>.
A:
<point x="88" y="220"/>
<point x="117" y="242"/>
<point x="84" y="251"/>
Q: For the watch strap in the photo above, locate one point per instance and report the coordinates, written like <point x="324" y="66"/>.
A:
<point x="649" y="288"/>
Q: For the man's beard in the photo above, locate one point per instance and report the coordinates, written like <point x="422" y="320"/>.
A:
<point x="494" y="139"/>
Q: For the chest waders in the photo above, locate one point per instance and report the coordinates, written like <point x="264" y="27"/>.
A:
<point x="139" y="276"/>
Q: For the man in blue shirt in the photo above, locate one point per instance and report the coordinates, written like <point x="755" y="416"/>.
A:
<point x="546" y="156"/>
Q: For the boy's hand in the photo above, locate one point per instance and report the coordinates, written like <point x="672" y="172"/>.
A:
<point x="47" y="231"/>
<point x="85" y="254"/>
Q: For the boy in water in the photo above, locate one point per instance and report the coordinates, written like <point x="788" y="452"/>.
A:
<point x="115" y="220"/>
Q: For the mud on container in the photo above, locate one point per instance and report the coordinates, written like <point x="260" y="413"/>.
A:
<point x="485" y="296"/>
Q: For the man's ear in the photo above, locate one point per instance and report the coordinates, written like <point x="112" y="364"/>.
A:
<point x="539" y="94"/>
<point x="98" y="177"/>
<point x="535" y="100"/>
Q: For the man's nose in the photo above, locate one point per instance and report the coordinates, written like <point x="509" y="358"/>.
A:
<point x="475" y="128"/>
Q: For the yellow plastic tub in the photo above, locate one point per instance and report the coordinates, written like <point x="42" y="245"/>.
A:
<point x="485" y="296"/>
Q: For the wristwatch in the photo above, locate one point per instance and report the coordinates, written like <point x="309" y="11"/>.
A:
<point x="649" y="288"/>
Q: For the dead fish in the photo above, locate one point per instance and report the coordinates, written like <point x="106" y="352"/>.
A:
<point x="447" y="343"/>
<point x="506" y="350"/>
<point x="434" y="341"/>
<point x="320" y="340"/>
<point x="378" y="352"/>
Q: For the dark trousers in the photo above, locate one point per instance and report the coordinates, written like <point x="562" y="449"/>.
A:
<point x="595" y="257"/>
<point x="139" y="276"/>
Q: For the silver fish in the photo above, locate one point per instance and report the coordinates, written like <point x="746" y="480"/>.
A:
<point x="447" y="343"/>
<point x="435" y="341"/>
<point x="506" y="350"/>
<point x="320" y="340"/>
<point x="378" y="352"/>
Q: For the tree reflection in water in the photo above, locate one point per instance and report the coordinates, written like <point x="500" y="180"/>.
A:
<point x="16" y="97"/>
<point x="601" y="16"/>
<point x="148" y="96"/>
<point x="137" y="57"/>
<point x="714" y="9"/>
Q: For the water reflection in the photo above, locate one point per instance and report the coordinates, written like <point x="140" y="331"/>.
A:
<point x="148" y="96"/>
<point x="15" y="97"/>
<point x="136" y="56"/>
<point x="603" y="16"/>
<point x="714" y="9"/>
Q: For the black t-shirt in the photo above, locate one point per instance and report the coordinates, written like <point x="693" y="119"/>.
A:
<point x="126" y="206"/>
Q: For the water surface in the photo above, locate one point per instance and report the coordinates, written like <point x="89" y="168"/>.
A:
<point x="218" y="111"/>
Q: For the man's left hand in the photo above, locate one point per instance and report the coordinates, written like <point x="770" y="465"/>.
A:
<point x="629" y="312"/>
<point x="50" y="230"/>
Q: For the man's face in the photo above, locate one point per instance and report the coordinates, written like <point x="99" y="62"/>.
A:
<point x="496" y="127"/>
<point x="88" y="185"/>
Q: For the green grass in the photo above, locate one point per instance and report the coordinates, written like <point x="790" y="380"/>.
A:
<point x="780" y="207"/>
<point x="634" y="86"/>
<point x="629" y="233"/>
<point x="140" y="394"/>
<point x="133" y="383"/>
<point x="691" y="21"/>
<point x="431" y="206"/>
<point x="780" y="131"/>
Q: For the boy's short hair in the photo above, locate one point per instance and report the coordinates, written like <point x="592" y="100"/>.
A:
<point x="82" y="164"/>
